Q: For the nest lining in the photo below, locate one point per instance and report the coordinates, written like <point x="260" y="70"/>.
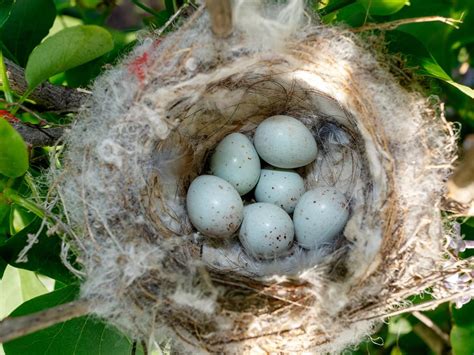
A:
<point x="146" y="134"/>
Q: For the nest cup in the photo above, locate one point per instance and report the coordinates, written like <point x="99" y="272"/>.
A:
<point x="146" y="134"/>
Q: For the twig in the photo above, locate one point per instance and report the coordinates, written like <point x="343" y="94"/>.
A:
<point x="171" y="19"/>
<point x="391" y="25"/>
<point x="36" y="136"/>
<point x="426" y="306"/>
<point x="220" y="12"/>
<point x="430" y="324"/>
<point x="14" y="327"/>
<point x="52" y="97"/>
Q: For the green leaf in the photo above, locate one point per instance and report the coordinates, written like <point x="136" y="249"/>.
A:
<point x="66" y="49"/>
<point x="383" y="7"/>
<point x="19" y="218"/>
<point x="16" y="287"/>
<point x="470" y="222"/>
<point x="14" y="154"/>
<point x="462" y="332"/>
<point x="418" y="56"/>
<point x="462" y="340"/>
<point x="80" y="336"/>
<point x="399" y="326"/>
<point x="83" y="75"/>
<point x="354" y="15"/>
<point x="433" y="35"/>
<point x="28" y="23"/>
<point x="43" y="257"/>
<point x="5" y="10"/>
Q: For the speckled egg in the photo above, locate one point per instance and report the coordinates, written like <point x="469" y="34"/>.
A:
<point x="285" y="142"/>
<point x="267" y="231"/>
<point x="214" y="206"/>
<point x="280" y="187"/>
<point x="236" y="161"/>
<point x="320" y="215"/>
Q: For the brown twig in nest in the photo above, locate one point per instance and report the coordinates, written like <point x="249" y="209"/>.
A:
<point x="391" y="25"/>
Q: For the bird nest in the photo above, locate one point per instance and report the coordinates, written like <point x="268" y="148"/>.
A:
<point x="146" y="134"/>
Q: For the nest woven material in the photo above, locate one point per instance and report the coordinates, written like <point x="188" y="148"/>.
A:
<point x="147" y="132"/>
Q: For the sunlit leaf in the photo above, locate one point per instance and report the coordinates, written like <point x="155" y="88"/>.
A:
<point x="66" y="49"/>
<point x="16" y="287"/>
<point x="14" y="154"/>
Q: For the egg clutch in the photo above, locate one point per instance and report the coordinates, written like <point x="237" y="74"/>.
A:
<point x="284" y="213"/>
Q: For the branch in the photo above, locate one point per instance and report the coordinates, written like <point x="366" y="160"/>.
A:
<point x="37" y="136"/>
<point x="394" y="24"/>
<point x="432" y="326"/>
<point x="52" y="97"/>
<point x="15" y="327"/>
<point x="220" y="12"/>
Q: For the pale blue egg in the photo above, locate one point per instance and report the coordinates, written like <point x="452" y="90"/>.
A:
<point x="267" y="231"/>
<point x="285" y="142"/>
<point x="214" y="207"/>
<point x="280" y="187"/>
<point x="320" y="216"/>
<point x="236" y="161"/>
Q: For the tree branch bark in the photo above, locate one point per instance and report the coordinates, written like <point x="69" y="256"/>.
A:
<point x="51" y="97"/>
<point x="37" y="136"/>
<point x="15" y="327"/>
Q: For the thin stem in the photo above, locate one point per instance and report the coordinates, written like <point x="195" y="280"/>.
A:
<point x="145" y="8"/>
<point x="15" y="327"/>
<point x="430" y="324"/>
<point x="334" y="6"/>
<point x="20" y="102"/>
<point x="394" y="24"/>
<point x="6" y="84"/>
<point x="23" y="202"/>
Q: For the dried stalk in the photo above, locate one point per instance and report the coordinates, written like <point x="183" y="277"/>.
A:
<point x="15" y="327"/>
<point x="221" y="17"/>
<point x="391" y="25"/>
<point x="426" y="306"/>
<point x="431" y="325"/>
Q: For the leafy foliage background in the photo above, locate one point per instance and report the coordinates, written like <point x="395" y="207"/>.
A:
<point x="69" y="42"/>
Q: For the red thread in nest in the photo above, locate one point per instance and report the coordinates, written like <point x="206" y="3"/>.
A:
<point x="138" y="65"/>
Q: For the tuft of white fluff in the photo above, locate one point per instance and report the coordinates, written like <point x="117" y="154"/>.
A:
<point x="265" y="24"/>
